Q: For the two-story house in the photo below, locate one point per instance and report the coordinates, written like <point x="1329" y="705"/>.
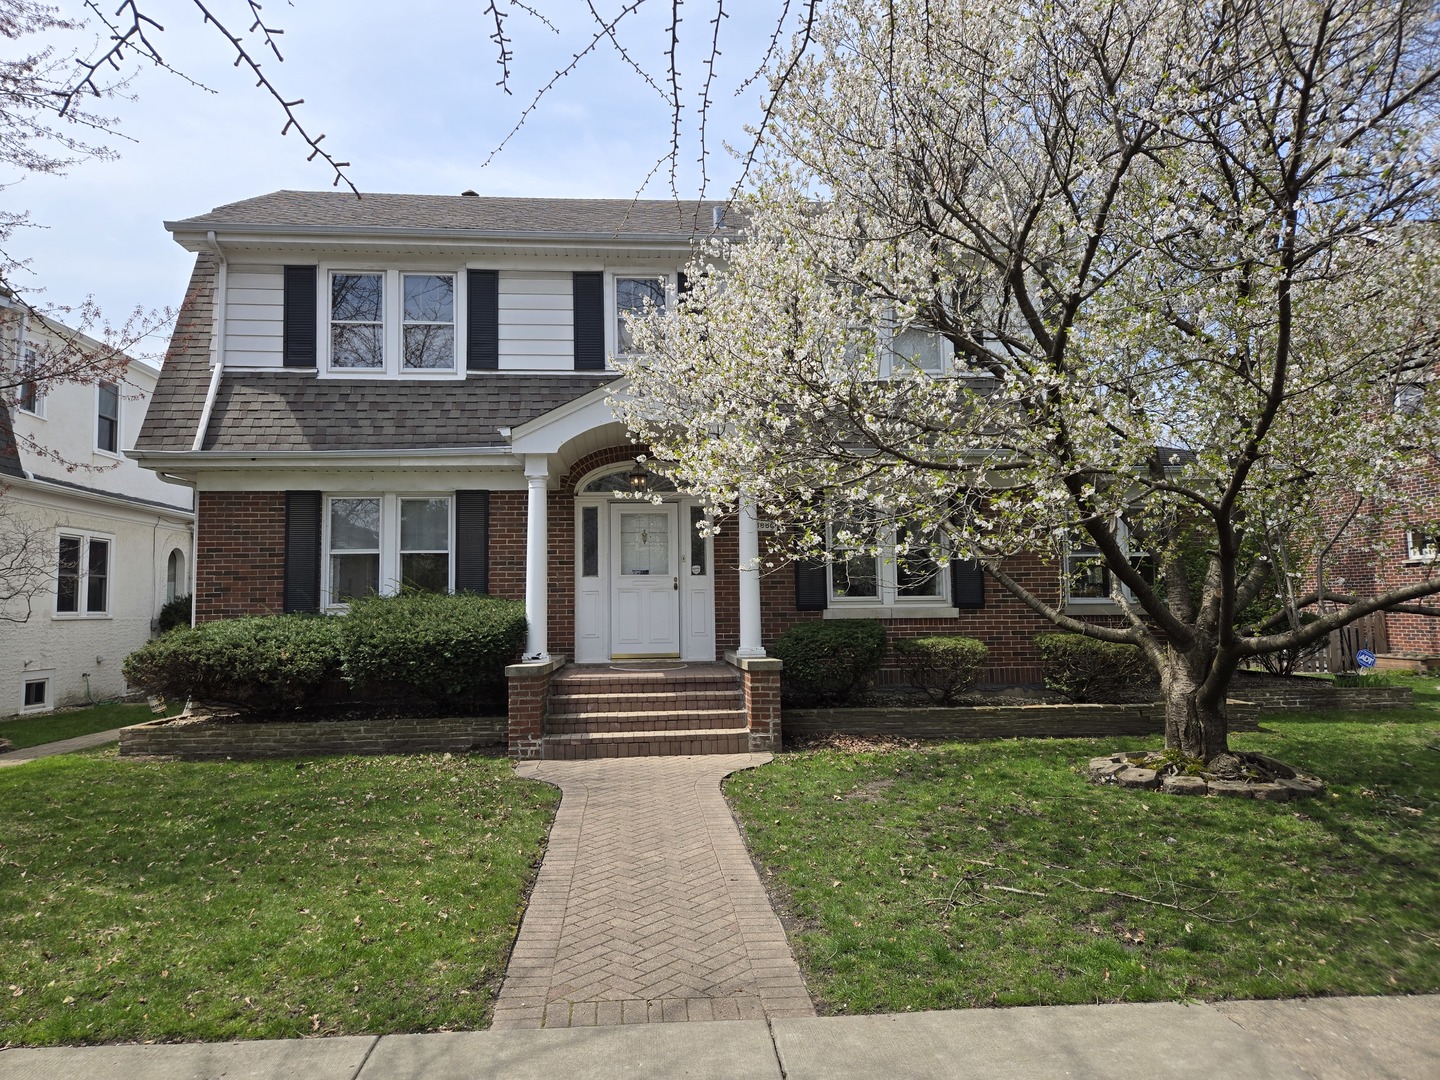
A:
<point x="411" y="390"/>
<point x="93" y="545"/>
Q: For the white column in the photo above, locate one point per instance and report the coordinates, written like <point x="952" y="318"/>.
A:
<point x="749" y="582"/>
<point x="537" y="557"/>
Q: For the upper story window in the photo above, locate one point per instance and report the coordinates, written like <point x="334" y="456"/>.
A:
<point x="389" y="322"/>
<point x="914" y="351"/>
<point x="107" y="419"/>
<point x="82" y="577"/>
<point x="357" y="320"/>
<point x="428" y="337"/>
<point x="635" y="296"/>
<point x="29" y="392"/>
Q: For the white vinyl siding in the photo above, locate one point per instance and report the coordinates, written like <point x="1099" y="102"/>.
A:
<point x="537" y="321"/>
<point x="254" y="316"/>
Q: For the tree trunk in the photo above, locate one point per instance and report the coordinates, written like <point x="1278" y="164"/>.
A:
<point x="1195" y="720"/>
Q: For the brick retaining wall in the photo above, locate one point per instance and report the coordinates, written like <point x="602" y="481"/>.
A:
<point x="200" y="739"/>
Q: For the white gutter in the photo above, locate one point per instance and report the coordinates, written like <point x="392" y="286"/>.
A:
<point x="217" y="335"/>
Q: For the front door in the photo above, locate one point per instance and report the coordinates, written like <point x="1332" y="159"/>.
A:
<point x="645" y="601"/>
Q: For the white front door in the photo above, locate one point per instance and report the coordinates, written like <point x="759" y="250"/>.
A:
<point x="645" y="597"/>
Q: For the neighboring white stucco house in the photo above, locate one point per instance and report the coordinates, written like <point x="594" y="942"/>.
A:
<point x="102" y="542"/>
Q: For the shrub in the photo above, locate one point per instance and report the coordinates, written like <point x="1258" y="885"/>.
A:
<point x="175" y="613"/>
<point x="255" y="664"/>
<point x="1086" y="669"/>
<point x="450" y="649"/>
<point x="944" y="667"/>
<point x="829" y="662"/>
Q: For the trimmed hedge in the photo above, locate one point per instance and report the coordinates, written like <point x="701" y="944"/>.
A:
<point x="451" y="649"/>
<point x="445" y="650"/>
<point x="1084" y="668"/>
<point x="261" y="663"/>
<point x="829" y="662"/>
<point x="943" y="666"/>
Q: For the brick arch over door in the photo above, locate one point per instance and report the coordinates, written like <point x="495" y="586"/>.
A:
<point x="611" y="455"/>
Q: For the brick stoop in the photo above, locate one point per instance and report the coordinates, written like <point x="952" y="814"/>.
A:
<point x="619" y="710"/>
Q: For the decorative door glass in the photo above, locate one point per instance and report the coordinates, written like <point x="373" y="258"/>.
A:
<point x="644" y="544"/>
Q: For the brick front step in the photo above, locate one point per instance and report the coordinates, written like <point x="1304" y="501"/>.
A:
<point x="632" y="684"/>
<point x="646" y="743"/>
<point x="671" y="720"/>
<point x="568" y="704"/>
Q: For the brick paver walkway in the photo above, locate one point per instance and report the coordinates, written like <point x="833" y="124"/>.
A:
<point x="647" y="907"/>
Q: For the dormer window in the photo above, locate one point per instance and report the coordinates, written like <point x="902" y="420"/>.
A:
<point x="392" y="322"/>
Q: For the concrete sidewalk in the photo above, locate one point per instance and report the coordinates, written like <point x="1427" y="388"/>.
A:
<point x="64" y="746"/>
<point x="1325" y="1039"/>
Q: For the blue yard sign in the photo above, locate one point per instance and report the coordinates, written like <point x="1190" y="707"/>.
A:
<point x="1365" y="658"/>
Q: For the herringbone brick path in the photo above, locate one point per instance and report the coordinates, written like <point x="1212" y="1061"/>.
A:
<point x="647" y="907"/>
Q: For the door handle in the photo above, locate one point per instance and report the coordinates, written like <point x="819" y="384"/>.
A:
<point x="676" y="579"/>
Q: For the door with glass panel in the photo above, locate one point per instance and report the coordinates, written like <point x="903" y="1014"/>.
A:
<point x="645" y="582"/>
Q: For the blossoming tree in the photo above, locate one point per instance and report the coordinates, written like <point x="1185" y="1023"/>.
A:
<point x="1144" y="274"/>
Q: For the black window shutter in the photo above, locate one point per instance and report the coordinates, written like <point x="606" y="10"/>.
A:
<point x="682" y="284"/>
<point x="589" y="293"/>
<point x="472" y="541"/>
<point x="482" y="321"/>
<point x="300" y="315"/>
<point x="967" y="584"/>
<point x="302" y="551"/>
<point x="812" y="586"/>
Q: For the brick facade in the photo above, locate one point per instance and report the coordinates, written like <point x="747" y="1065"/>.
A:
<point x="240" y="554"/>
<point x="240" y="571"/>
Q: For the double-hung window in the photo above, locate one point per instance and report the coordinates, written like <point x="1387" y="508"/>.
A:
<point x="385" y="543"/>
<point x="1088" y="579"/>
<point x="392" y="322"/>
<point x="107" y="418"/>
<point x="634" y="297"/>
<point x="82" y="577"/>
<point x="906" y="571"/>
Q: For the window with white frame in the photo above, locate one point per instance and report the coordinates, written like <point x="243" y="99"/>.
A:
<point x="1422" y="546"/>
<point x="383" y="543"/>
<point x="176" y="584"/>
<point x="1088" y="579"/>
<point x="82" y="577"/>
<point x="35" y="693"/>
<point x="29" y="392"/>
<point x="915" y="351"/>
<point x="859" y="577"/>
<point x="636" y="296"/>
<point x="388" y="322"/>
<point x="107" y="418"/>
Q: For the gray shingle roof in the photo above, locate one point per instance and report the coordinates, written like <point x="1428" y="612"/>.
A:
<point x="179" y="397"/>
<point x="289" y="411"/>
<point x="512" y="217"/>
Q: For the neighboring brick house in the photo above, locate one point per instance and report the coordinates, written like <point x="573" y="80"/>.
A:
<point x="413" y="388"/>
<point x="1390" y="550"/>
<point x="93" y="546"/>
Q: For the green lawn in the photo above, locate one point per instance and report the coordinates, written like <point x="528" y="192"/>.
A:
<point x="26" y="731"/>
<point x="994" y="874"/>
<point x="204" y="901"/>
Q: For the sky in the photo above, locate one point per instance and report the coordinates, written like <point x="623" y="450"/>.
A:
<point x="406" y="92"/>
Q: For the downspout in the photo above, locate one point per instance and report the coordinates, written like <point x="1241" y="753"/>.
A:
<point x="217" y="335"/>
